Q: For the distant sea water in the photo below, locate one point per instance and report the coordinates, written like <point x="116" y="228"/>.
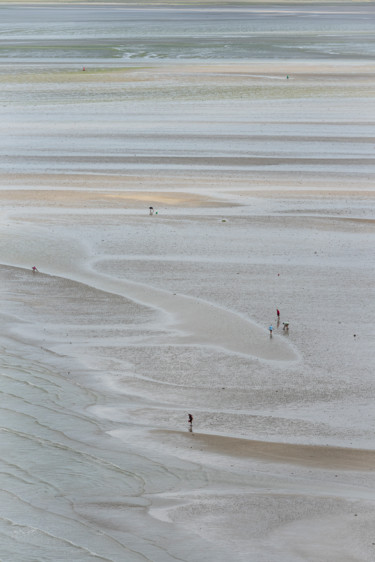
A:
<point x="117" y="33"/>
<point x="44" y="95"/>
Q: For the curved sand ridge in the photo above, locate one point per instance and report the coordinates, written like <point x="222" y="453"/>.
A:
<point x="197" y="322"/>
<point x="192" y="321"/>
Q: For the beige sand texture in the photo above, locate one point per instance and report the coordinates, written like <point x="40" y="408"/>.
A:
<point x="334" y="458"/>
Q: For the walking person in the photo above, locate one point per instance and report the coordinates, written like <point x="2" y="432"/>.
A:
<point x="270" y="329"/>
<point x="190" y="420"/>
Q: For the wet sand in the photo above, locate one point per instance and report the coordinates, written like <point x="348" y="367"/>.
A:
<point x="281" y="426"/>
<point x="333" y="458"/>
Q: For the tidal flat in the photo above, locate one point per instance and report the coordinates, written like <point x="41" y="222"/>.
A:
<point x="249" y="130"/>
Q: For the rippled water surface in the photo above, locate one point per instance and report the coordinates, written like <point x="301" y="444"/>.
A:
<point x="115" y="33"/>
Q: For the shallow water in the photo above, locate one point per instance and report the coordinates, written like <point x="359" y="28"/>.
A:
<point x="68" y="489"/>
<point x="118" y="33"/>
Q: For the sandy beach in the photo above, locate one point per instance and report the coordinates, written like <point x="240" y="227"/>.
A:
<point x="261" y="175"/>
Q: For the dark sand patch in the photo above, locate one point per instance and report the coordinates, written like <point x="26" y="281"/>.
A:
<point x="333" y="458"/>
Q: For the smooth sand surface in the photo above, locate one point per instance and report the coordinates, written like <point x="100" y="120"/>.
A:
<point x="111" y="199"/>
<point x="332" y="458"/>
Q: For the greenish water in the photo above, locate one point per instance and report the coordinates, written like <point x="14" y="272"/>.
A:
<point x="114" y="32"/>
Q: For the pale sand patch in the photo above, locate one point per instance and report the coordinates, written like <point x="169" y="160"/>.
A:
<point x="304" y="193"/>
<point x="76" y="198"/>
<point x="265" y="68"/>
<point x="332" y="458"/>
<point x="113" y="182"/>
<point x="257" y="185"/>
<point x="255" y="70"/>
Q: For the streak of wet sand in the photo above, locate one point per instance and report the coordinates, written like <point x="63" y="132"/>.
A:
<point x="333" y="458"/>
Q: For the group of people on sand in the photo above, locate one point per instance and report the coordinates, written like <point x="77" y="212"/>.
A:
<point x="285" y="324"/>
<point x="285" y="329"/>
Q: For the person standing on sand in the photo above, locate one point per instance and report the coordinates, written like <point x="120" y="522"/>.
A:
<point x="190" y="420"/>
<point x="278" y="312"/>
<point x="270" y="329"/>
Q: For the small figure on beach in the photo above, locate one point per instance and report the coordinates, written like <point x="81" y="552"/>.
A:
<point x="34" y="269"/>
<point x="278" y="312"/>
<point x="190" y="420"/>
<point x="270" y="329"/>
<point x="151" y="210"/>
<point x="286" y="326"/>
